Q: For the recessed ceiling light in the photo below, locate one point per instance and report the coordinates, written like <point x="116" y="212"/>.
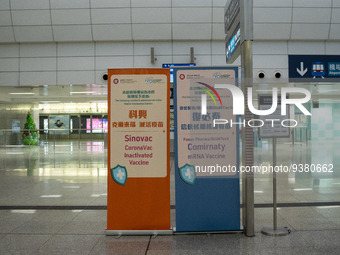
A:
<point x="46" y="102"/>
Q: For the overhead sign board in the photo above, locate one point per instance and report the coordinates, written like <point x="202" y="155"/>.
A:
<point x="314" y="68"/>
<point x="232" y="45"/>
<point x="230" y="13"/>
<point x="232" y="29"/>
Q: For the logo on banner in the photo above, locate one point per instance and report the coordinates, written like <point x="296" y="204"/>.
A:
<point x="220" y="76"/>
<point x="182" y="76"/>
<point x="119" y="174"/>
<point x="187" y="173"/>
<point x="209" y="93"/>
<point x="116" y="81"/>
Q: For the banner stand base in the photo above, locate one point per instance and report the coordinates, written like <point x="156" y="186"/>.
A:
<point x="207" y="232"/>
<point x="137" y="232"/>
<point x="275" y="232"/>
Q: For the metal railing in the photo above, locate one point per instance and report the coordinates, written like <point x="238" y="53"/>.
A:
<point x="13" y="137"/>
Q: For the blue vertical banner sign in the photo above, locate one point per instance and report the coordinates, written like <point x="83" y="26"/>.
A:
<point x="206" y="150"/>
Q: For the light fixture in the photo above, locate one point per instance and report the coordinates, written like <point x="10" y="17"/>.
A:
<point x="303" y="189"/>
<point x="27" y="93"/>
<point x="50" y="196"/>
<point x="83" y="92"/>
<point x="46" y="102"/>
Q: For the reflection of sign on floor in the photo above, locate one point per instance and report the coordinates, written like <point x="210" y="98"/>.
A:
<point x="314" y="68"/>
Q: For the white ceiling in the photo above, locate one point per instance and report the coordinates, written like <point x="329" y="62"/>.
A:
<point x="154" y="20"/>
<point x="110" y="20"/>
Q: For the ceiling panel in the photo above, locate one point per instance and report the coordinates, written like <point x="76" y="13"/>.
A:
<point x="192" y="31"/>
<point x="75" y="49"/>
<point x="110" y="16"/>
<point x="9" y="50"/>
<point x="335" y="15"/>
<point x="75" y="63"/>
<point x="272" y="31"/>
<point x="38" y="50"/>
<point x="191" y="3"/>
<point x="104" y="63"/>
<point x="78" y="77"/>
<point x="311" y="15"/>
<point x="72" y="16"/>
<point x="72" y="33"/>
<point x="4" y="5"/>
<point x="31" y="17"/>
<point x="5" y="18"/>
<point x="307" y="31"/>
<point x="121" y="32"/>
<point x="109" y="3"/>
<point x="218" y="31"/>
<point x="67" y="4"/>
<point x="150" y="3"/>
<point x="29" y="5"/>
<point x="9" y="64"/>
<point x="191" y="15"/>
<point x="38" y="64"/>
<point x="151" y="31"/>
<point x="272" y="15"/>
<point x="218" y="15"/>
<point x="334" y="33"/>
<point x="29" y="78"/>
<point x="312" y="3"/>
<point x="114" y="49"/>
<point x="7" y="34"/>
<point x="152" y="20"/>
<point x="33" y="33"/>
<point x="11" y="78"/>
<point x="271" y="3"/>
<point x="151" y="15"/>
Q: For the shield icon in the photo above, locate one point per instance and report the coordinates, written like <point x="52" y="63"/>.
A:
<point x="187" y="173"/>
<point x="119" y="174"/>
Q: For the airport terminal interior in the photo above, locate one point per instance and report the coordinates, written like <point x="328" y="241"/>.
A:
<point x="54" y="57"/>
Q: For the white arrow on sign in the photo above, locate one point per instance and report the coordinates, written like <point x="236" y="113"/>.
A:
<point x="302" y="71"/>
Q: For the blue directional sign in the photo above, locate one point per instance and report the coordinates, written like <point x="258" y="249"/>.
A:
<point x="314" y="68"/>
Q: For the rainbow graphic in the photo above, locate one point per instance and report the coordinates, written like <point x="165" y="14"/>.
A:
<point x="209" y="93"/>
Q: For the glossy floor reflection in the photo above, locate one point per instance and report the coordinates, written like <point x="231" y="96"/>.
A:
<point x="82" y="232"/>
<point x="36" y="181"/>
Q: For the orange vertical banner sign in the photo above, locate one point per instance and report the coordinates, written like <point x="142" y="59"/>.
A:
<point x="138" y="151"/>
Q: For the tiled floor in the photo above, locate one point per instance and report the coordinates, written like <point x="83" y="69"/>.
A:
<point x="44" y="179"/>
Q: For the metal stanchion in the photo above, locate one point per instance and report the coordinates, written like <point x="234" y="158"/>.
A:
<point x="54" y="141"/>
<point x="5" y="140"/>
<point x="293" y="137"/>
<point x="275" y="231"/>
<point x="79" y="139"/>
<point x="29" y="138"/>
